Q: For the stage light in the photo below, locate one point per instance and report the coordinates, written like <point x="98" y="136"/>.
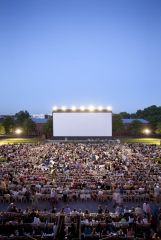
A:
<point x="64" y="108"/>
<point x="55" y="108"/>
<point x="82" y="108"/>
<point x="73" y="108"/>
<point x="100" y="108"/>
<point x="18" y="131"/>
<point x="91" y="108"/>
<point x="109" y="108"/>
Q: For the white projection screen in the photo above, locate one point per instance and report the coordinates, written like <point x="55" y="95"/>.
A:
<point x="82" y="124"/>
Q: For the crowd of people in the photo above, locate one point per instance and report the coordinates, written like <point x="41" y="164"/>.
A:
<point x="102" y="172"/>
<point x="123" y="223"/>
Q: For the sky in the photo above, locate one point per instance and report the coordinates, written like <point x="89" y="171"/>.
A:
<point x="79" y="52"/>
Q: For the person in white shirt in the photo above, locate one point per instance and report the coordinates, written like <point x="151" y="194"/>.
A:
<point x="145" y="220"/>
<point x="36" y="220"/>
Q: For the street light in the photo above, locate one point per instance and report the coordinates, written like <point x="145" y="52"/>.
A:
<point x="147" y="131"/>
<point x="18" y="131"/>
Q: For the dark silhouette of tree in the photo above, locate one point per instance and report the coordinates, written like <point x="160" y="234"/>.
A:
<point x="117" y="125"/>
<point x="135" y="128"/>
<point x="20" y="117"/>
<point x="48" y="128"/>
<point x="29" y="127"/>
<point x="23" y="120"/>
<point x="152" y="114"/>
<point x="8" y="123"/>
<point x="124" y="115"/>
<point x="158" y="128"/>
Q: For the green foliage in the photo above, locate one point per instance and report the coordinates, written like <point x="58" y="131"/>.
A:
<point x="21" y="117"/>
<point x="124" y="115"/>
<point x="117" y="125"/>
<point x="2" y="130"/>
<point x="158" y="128"/>
<point x="48" y="128"/>
<point x="152" y="114"/>
<point x="8" y="124"/>
<point x="21" y="120"/>
<point x="24" y="121"/>
<point x="29" y="127"/>
<point x="135" y="128"/>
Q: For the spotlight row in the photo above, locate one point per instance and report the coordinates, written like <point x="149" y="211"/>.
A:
<point x="90" y="108"/>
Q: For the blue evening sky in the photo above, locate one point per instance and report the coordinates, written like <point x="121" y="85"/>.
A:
<point x="79" y="52"/>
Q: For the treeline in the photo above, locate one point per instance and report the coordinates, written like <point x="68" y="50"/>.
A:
<point x="136" y="128"/>
<point x="23" y="122"/>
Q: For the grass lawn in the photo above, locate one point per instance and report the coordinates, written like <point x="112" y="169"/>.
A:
<point x="37" y="140"/>
<point x="19" y="140"/>
<point x="141" y="140"/>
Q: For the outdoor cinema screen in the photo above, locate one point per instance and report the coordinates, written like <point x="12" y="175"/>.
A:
<point x="82" y="124"/>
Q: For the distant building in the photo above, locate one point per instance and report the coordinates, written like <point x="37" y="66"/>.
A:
<point x="48" y="116"/>
<point x="40" y="122"/>
<point x="127" y="121"/>
<point x="38" y="119"/>
<point x="42" y="116"/>
<point x="38" y="115"/>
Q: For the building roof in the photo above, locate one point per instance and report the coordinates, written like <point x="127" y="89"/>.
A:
<point x="130" y="120"/>
<point x="40" y="120"/>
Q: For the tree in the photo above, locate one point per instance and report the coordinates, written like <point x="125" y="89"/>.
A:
<point x="24" y="121"/>
<point x="124" y="115"/>
<point x="158" y="128"/>
<point x="21" y="117"/>
<point x="152" y="114"/>
<point x="135" y="128"/>
<point x="117" y="125"/>
<point x="8" y="123"/>
<point x="48" y="128"/>
<point x="29" y="127"/>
